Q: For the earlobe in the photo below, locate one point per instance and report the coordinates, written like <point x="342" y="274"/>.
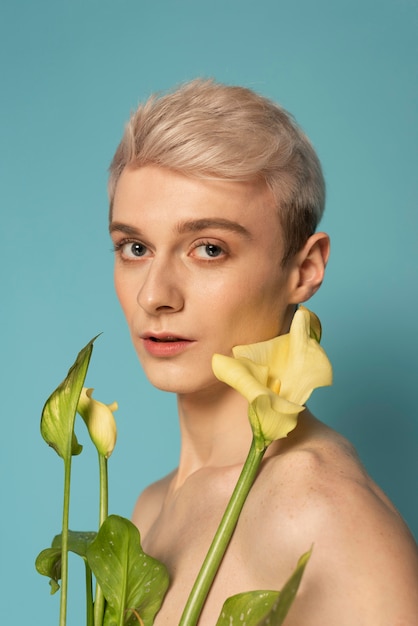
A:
<point x="309" y="267"/>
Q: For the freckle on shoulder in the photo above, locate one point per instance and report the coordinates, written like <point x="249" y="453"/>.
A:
<point x="314" y="471"/>
<point x="316" y="451"/>
<point x="319" y="478"/>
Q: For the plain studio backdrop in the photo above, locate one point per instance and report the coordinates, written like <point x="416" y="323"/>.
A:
<point x="71" y="72"/>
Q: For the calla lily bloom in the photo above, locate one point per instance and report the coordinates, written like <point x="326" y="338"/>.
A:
<point x="277" y="376"/>
<point x="99" y="421"/>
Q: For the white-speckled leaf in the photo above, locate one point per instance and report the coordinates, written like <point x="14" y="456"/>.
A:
<point x="263" y="608"/>
<point x="133" y="583"/>
<point x="247" y="609"/>
<point x="287" y="595"/>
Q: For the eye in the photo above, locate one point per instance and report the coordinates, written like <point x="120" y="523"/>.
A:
<point x="131" y="249"/>
<point x="136" y="249"/>
<point x="208" y="251"/>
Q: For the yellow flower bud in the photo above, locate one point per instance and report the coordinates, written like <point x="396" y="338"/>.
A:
<point x="99" y="420"/>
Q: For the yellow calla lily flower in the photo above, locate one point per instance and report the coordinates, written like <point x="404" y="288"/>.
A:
<point x="99" y="420"/>
<point x="277" y="376"/>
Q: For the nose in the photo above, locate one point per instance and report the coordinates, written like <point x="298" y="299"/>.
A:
<point x="160" y="291"/>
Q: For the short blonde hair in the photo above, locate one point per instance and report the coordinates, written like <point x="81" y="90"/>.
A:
<point x="209" y="130"/>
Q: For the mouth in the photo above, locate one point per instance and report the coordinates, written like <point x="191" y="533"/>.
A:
<point x="165" y="345"/>
<point x="164" y="338"/>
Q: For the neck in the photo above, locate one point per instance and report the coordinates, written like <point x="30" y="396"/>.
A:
<point x="215" y="430"/>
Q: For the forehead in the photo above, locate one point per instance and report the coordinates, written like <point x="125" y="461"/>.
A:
<point x="158" y="190"/>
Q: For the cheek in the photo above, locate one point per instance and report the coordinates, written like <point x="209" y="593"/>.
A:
<point x="260" y="311"/>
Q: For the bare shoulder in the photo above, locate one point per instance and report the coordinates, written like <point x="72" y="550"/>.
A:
<point x="149" y="503"/>
<point x="321" y="475"/>
<point x="321" y="482"/>
<point x="364" y="561"/>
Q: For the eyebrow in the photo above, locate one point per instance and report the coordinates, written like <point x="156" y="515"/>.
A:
<point x="189" y="226"/>
<point x="220" y="223"/>
<point x="123" y="228"/>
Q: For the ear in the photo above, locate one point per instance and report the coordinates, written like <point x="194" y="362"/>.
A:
<point x="308" y="268"/>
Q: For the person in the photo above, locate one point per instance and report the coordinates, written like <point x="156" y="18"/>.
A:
<point x="215" y="196"/>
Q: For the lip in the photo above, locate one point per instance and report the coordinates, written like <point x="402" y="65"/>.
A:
<point x="165" y="344"/>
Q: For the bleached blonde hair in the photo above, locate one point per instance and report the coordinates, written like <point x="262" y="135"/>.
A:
<point x="209" y="130"/>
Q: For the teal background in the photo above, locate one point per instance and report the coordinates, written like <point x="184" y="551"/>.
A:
<point x="71" y="72"/>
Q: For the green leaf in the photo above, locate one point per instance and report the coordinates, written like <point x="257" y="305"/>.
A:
<point x="248" y="608"/>
<point x="133" y="583"/>
<point x="48" y="562"/>
<point x="263" y="608"/>
<point x="78" y="541"/>
<point x="287" y="594"/>
<point x="58" y="415"/>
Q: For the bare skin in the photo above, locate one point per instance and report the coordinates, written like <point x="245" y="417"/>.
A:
<point x="311" y="490"/>
<point x="197" y="271"/>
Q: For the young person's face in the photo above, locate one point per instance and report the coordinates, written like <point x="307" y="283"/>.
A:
<point x="197" y="271"/>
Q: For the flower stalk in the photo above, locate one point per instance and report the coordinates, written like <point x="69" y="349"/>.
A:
<point x="64" y="546"/>
<point x="89" y="597"/>
<point x="223" y="536"/>
<point x="99" y="603"/>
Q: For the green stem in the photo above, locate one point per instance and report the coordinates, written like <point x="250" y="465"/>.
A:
<point x="64" y="544"/>
<point x="89" y="597"/>
<point x="99" y="603"/>
<point x="104" y="489"/>
<point x="222" y="537"/>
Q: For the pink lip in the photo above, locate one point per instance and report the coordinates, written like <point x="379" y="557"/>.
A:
<point x="165" y="345"/>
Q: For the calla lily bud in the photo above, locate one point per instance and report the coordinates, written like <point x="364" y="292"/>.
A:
<point x="99" y="420"/>
<point x="277" y="376"/>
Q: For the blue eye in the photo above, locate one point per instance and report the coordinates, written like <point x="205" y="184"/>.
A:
<point x="208" y="250"/>
<point x="135" y="249"/>
<point x="212" y="250"/>
<point x="131" y="249"/>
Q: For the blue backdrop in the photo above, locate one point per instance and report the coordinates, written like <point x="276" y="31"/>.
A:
<point x="71" y="72"/>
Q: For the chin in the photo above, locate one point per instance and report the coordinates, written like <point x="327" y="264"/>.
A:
<point x="183" y="384"/>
